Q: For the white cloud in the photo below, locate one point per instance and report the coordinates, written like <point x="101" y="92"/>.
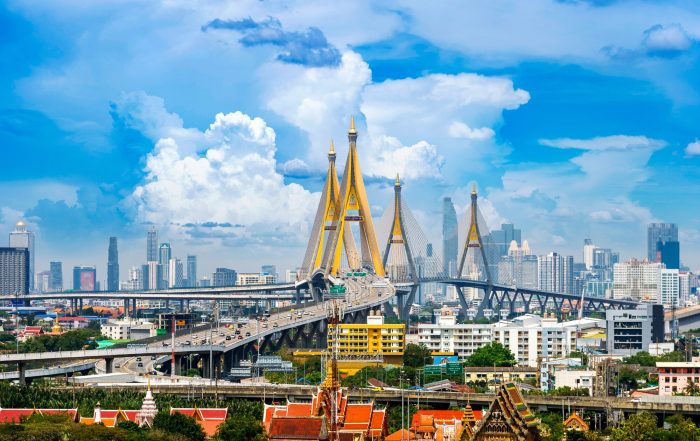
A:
<point x="693" y="149"/>
<point x="666" y="39"/>
<point x="234" y="181"/>
<point x="460" y="130"/>
<point x="604" y="142"/>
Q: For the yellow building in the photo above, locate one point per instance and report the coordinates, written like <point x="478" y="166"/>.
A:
<point x="374" y="343"/>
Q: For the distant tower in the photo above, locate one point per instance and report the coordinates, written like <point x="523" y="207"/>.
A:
<point x="56" y="269"/>
<point x="112" y="265"/>
<point x="23" y="238"/>
<point x="449" y="237"/>
<point x="191" y="271"/>
<point x="659" y="232"/>
<point x="164" y="261"/>
<point x="152" y="245"/>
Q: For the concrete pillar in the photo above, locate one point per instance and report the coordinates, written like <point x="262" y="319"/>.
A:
<point x="177" y="367"/>
<point x="217" y="365"/>
<point x="109" y="365"/>
<point x="126" y="307"/>
<point x="182" y="305"/>
<point x="21" y="370"/>
<point x="188" y="305"/>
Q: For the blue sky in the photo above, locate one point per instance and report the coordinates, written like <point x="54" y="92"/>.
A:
<point x="575" y="119"/>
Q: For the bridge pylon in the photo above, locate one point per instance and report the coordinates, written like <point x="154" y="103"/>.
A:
<point x="351" y="206"/>
<point x="402" y="266"/>
<point x="474" y="241"/>
<point x="323" y="224"/>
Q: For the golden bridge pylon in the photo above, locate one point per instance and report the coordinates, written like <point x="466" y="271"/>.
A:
<point x="469" y="268"/>
<point x="323" y="224"/>
<point x="351" y="206"/>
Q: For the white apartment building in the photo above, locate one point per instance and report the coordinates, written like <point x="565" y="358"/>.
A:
<point x="637" y="280"/>
<point x="449" y="336"/>
<point x="530" y="336"/>
<point x="575" y="379"/>
<point x="684" y="285"/>
<point x="175" y="273"/>
<point x="669" y="288"/>
<point x="122" y="329"/>
<point x="255" y="279"/>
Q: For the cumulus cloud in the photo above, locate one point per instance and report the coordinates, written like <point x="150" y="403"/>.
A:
<point x="693" y="149"/>
<point x="308" y="48"/>
<point x="603" y="142"/>
<point x="667" y="41"/>
<point x="460" y="130"/>
<point x="232" y="181"/>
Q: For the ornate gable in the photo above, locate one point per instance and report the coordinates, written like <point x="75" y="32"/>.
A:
<point x="575" y="422"/>
<point x="508" y="419"/>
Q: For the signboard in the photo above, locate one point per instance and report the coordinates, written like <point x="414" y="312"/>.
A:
<point x="180" y="323"/>
<point x="87" y="280"/>
<point x="442" y="359"/>
<point x="454" y="368"/>
<point x="433" y="370"/>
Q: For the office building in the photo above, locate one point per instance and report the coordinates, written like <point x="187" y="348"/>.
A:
<point x="375" y="337"/>
<point x="164" y="256"/>
<point x="290" y="276"/>
<point x="56" y="269"/>
<point x="175" y="271"/>
<point x="501" y="239"/>
<point x="659" y="232"/>
<point x="556" y="273"/>
<point x="42" y="281"/>
<point x="519" y="267"/>
<point x="112" y="265"/>
<point x="588" y="249"/>
<point x="269" y="269"/>
<point x="530" y="337"/>
<point x="669" y="253"/>
<point x="669" y="288"/>
<point x="223" y="277"/>
<point x="23" y="238"/>
<point x="152" y="245"/>
<point x="675" y="376"/>
<point x="449" y="237"/>
<point x="684" y="287"/>
<point x="254" y="279"/>
<point x="135" y="280"/>
<point x="632" y="330"/>
<point x="637" y="280"/>
<point x="204" y="282"/>
<point x="191" y="271"/>
<point x="456" y="338"/>
<point x="84" y="278"/>
<point x="596" y="288"/>
<point x="155" y="276"/>
<point x="14" y="271"/>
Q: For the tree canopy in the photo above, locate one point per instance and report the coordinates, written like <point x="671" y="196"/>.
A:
<point x="493" y="354"/>
<point x="179" y="424"/>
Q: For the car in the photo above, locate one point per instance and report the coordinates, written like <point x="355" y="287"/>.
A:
<point x="138" y="358"/>
<point x="240" y="337"/>
<point x="221" y="334"/>
<point x="275" y="325"/>
<point x="228" y="337"/>
<point x="140" y="365"/>
<point x="166" y="344"/>
<point x="187" y="343"/>
<point x="238" y="332"/>
<point x="264" y="325"/>
<point x="247" y="334"/>
<point x="289" y="316"/>
<point x="153" y="357"/>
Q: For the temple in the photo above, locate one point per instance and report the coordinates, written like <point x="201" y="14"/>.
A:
<point x="508" y="418"/>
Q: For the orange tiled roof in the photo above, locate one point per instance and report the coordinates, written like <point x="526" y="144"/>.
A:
<point x="399" y="436"/>
<point x="298" y="428"/>
<point x="15" y="415"/>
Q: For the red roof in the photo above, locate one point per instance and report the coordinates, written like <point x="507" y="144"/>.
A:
<point x="441" y="416"/>
<point x="297" y="428"/>
<point x="14" y="415"/>
<point x="298" y="409"/>
<point x="73" y="319"/>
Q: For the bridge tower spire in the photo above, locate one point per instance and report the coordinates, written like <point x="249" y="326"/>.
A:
<point x="398" y="239"/>
<point x="352" y="206"/>
<point x="323" y="223"/>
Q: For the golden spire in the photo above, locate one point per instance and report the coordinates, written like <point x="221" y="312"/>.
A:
<point x="352" y="129"/>
<point x="331" y="151"/>
<point x="397" y="183"/>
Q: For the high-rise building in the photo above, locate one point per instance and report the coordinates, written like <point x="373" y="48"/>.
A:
<point x="501" y="239"/>
<point x="556" y="273"/>
<point x="84" y="278"/>
<point x="191" y="271"/>
<point x="112" y="265"/>
<point x="204" y="282"/>
<point x="254" y="279"/>
<point x="588" y="250"/>
<point x="662" y="232"/>
<point x="631" y="331"/>
<point x="175" y="273"/>
<point x="684" y="287"/>
<point x="14" y="271"/>
<point x="42" y="281"/>
<point x="23" y="238"/>
<point x="449" y="237"/>
<point x="152" y="245"/>
<point x="669" y="288"/>
<point x="269" y="269"/>
<point x="670" y="253"/>
<point x="637" y="280"/>
<point x="135" y="280"/>
<point x="519" y="267"/>
<point x="224" y="277"/>
<point x="164" y="255"/>
<point x="56" y="269"/>
<point x="155" y="276"/>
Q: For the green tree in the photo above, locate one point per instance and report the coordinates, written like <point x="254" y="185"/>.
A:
<point x="641" y="358"/>
<point x="692" y="388"/>
<point x="494" y="354"/>
<point x="638" y="427"/>
<point x="682" y="429"/>
<point x="552" y="426"/>
<point x="241" y="428"/>
<point x="581" y="355"/>
<point x="415" y="355"/>
<point x="179" y="424"/>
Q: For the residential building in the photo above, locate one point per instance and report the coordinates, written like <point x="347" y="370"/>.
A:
<point x="449" y="237"/>
<point x="127" y="329"/>
<point x="254" y="279"/>
<point x="42" y="281"/>
<point x="495" y="375"/>
<point x="290" y="276"/>
<point x="575" y="379"/>
<point x="456" y="338"/>
<point x="191" y="271"/>
<point x="659" y="232"/>
<point x="588" y="250"/>
<point x="675" y="376"/>
<point x="224" y="277"/>
<point x="556" y="273"/>
<point x="669" y="288"/>
<point x="56" y="269"/>
<point x="632" y="330"/>
<point x="23" y="238"/>
<point x="637" y="280"/>
<point x="155" y="276"/>
<point x="175" y="279"/>
<point x="84" y="278"/>
<point x="14" y="271"/>
<point x="112" y="265"/>
<point x="269" y="269"/>
<point x="530" y="337"/>
<point x="204" y="282"/>
<point x="519" y="267"/>
<point x="152" y="245"/>
<point x="548" y="368"/>
<point x="684" y="287"/>
<point x="135" y="280"/>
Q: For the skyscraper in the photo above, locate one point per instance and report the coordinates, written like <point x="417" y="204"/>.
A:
<point x="14" y="271"/>
<point x="84" y="278"/>
<point x="670" y="253"/>
<point x="56" y="269"/>
<point x="112" y="265"/>
<point x="164" y="260"/>
<point x="556" y="273"/>
<point x="662" y="232"/>
<point x="152" y="245"/>
<point x="449" y="237"/>
<point x="175" y="271"/>
<point x="224" y="277"/>
<point x="191" y="271"/>
<point x="588" y="251"/>
<point x="22" y="238"/>
<point x="502" y="238"/>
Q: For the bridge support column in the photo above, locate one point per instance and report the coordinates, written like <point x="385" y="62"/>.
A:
<point x="177" y="366"/>
<point x="182" y="306"/>
<point x="188" y="306"/>
<point x="462" y="301"/>
<point x="133" y="304"/>
<point x="21" y="370"/>
<point x="405" y="308"/>
<point x="126" y="308"/>
<point x="109" y="365"/>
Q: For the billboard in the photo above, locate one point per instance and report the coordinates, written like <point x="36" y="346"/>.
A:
<point x="442" y="359"/>
<point x="87" y="280"/>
